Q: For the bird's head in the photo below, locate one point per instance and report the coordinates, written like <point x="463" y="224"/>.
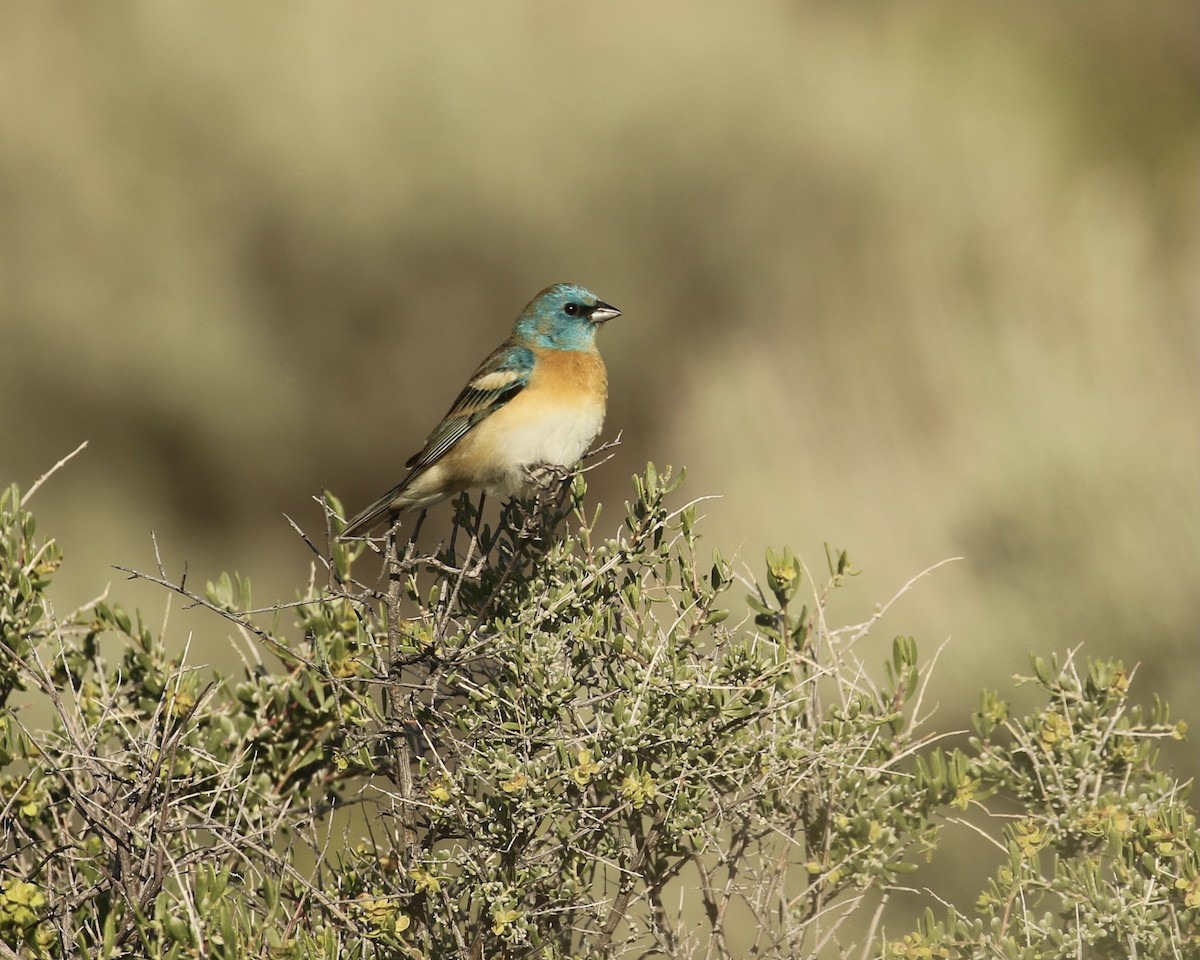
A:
<point x="563" y="317"/>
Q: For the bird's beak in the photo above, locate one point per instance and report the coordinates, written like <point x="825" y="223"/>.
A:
<point x="603" y="311"/>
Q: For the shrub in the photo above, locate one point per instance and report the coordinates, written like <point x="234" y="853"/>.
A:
<point x="541" y="741"/>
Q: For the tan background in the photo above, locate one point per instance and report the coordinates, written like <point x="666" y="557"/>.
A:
<point x="921" y="280"/>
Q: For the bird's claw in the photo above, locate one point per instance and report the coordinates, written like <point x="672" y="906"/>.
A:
<point x="544" y="476"/>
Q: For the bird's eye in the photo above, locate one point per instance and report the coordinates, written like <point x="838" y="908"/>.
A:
<point x="571" y="309"/>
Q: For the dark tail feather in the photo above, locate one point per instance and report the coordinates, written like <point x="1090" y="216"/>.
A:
<point x="370" y="516"/>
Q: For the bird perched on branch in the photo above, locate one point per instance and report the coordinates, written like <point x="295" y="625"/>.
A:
<point x="538" y="399"/>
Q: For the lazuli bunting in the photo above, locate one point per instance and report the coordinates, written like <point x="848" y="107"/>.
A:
<point x="538" y="399"/>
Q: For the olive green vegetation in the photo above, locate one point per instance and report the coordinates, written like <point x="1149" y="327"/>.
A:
<point x="914" y="277"/>
<point x="543" y="741"/>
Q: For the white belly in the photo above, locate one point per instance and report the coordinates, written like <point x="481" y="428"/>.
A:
<point x="557" y="435"/>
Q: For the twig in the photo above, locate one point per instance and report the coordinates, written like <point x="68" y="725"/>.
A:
<point x="49" y="473"/>
<point x="311" y="546"/>
<point x="862" y="629"/>
<point x="617" y="912"/>
<point x="198" y="601"/>
<point x="393" y="706"/>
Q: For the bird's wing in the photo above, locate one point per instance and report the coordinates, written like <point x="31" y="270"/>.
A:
<point x="499" y="378"/>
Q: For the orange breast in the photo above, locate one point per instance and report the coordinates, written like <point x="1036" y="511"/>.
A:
<point x="570" y="374"/>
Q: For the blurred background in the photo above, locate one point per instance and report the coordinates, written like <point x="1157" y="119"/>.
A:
<point x="919" y="280"/>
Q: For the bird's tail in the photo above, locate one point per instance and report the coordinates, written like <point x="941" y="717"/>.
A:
<point x="371" y="515"/>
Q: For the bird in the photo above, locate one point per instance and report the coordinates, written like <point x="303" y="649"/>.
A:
<point x="538" y="399"/>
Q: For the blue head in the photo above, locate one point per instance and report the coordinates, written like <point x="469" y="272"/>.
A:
<point x="563" y="317"/>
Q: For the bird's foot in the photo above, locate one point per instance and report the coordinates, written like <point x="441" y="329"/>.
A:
<point x="543" y="476"/>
